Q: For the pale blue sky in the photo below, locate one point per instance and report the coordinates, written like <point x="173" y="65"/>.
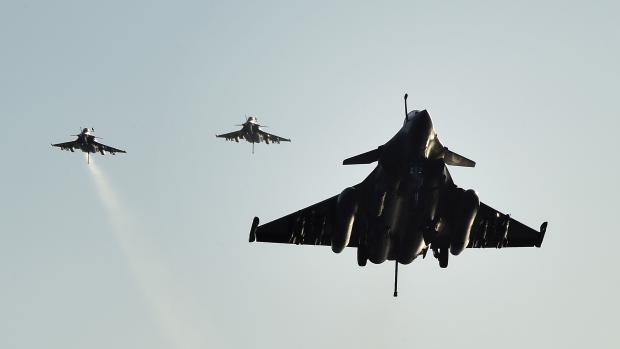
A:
<point x="528" y="90"/>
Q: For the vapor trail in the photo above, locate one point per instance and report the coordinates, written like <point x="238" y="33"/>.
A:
<point x="154" y="279"/>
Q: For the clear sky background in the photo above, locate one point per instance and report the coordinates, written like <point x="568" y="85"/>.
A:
<point x="149" y="249"/>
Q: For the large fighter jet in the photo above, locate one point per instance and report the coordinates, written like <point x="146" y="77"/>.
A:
<point x="406" y="205"/>
<point x="252" y="133"/>
<point x="86" y="142"/>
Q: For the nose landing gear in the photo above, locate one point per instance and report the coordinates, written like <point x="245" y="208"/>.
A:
<point x="441" y="253"/>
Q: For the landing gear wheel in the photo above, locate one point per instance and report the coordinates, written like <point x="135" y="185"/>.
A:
<point x="443" y="257"/>
<point x="362" y="255"/>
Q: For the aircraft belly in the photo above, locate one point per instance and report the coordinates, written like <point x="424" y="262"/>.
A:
<point x="407" y="231"/>
<point x="395" y="234"/>
<point x="403" y="220"/>
<point x="401" y="210"/>
<point x="253" y="138"/>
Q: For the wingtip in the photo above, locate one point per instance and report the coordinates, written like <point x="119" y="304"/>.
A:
<point x="255" y="222"/>
<point x="543" y="230"/>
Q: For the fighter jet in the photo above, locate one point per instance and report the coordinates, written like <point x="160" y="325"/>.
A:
<point x="406" y="206"/>
<point x="252" y="133"/>
<point x="86" y="142"/>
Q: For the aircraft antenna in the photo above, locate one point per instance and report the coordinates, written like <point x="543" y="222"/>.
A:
<point x="396" y="277"/>
<point x="406" y="117"/>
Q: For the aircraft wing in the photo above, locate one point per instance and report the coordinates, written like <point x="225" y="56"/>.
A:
<point x="493" y="229"/>
<point x="312" y="225"/>
<point x="232" y="136"/>
<point x="103" y="147"/>
<point x="67" y="145"/>
<point x="269" y="138"/>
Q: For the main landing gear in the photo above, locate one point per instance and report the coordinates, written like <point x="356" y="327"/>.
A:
<point x="442" y="255"/>
<point x="362" y="255"/>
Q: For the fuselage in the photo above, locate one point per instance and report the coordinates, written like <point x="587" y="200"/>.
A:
<point x="252" y="133"/>
<point x="85" y="141"/>
<point x="401" y="198"/>
<point x="250" y="130"/>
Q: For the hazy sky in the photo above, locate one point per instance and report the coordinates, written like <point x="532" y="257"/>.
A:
<point x="149" y="249"/>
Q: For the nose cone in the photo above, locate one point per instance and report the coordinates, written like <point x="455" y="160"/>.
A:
<point x="420" y="131"/>
<point x="421" y="119"/>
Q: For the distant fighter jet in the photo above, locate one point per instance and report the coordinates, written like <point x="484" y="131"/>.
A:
<point x="252" y="133"/>
<point x="86" y="142"/>
<point x="406" y="205"/>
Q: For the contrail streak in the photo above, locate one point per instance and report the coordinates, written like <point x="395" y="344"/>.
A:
<point x="153" y="277"/>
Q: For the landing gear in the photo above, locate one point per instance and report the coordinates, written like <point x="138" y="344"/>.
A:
<point x="362" y="255"/>
<point x="395" y="278"/>
<point x="441" y="249"/>
<point x="443" y="257"/>
<point x="431" y="231"/>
